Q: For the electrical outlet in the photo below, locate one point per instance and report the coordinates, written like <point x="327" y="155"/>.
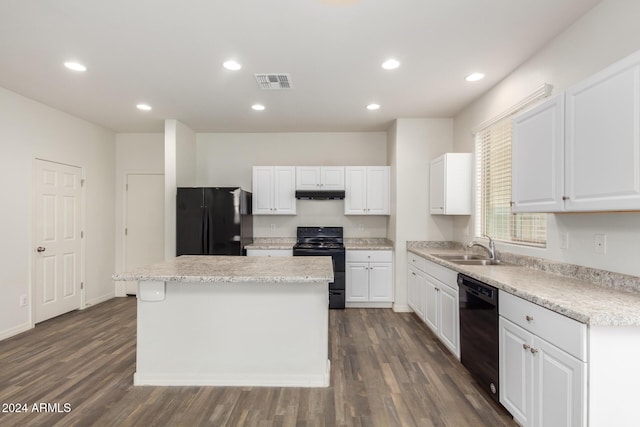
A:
<point x="564" y="240"/>
<point x="273" y="227"/>
<point x="360" y="227"/>
<point x="24" y="301"/>
<point x="600" y="243"/>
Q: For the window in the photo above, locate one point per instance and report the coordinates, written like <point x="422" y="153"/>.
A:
<point x="493" y="186"/>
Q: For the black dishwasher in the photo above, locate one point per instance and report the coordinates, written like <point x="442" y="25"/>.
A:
<point x="479" y="332"/>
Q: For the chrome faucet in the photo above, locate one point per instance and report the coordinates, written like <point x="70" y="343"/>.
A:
<point x="491" y="249"/>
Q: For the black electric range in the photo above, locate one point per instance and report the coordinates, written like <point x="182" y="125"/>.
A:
<point x="325" y="241"/>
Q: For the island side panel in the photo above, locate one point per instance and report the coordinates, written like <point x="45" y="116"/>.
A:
<point x="243" y="334"/>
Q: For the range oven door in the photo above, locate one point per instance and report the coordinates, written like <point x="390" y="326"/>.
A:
<point x="337" y="287"/>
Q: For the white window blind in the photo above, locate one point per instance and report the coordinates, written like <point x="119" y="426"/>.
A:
<point x="494" y="217"/>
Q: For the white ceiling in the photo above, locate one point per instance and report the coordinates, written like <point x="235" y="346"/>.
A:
<point x="168" y="53"/>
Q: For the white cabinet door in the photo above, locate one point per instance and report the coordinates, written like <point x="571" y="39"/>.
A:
<point x="538" y="158"/>
<point x="378" y="185"/>
<point x="540" y="385"/>
<point x="431" y="308"/>
<point x="284" y="190"/>
<point x="417" y="289"/>
<point x="274" y="190"/>
<point x="516" y="371"/>
<point x="380" y="281"/>
<point x="332" y="177"/>
<point x="263" y="190"/>
<point x="450" y="184"/>
<point x="449" y="319"/>
<point x="355" y="202"/>
<point x="320" y="178"/>
<point x="602" y="168"/>
<point x="436" y="186"/>
<point x="559" y="385"/>
<point x="308" y="178"/>
<point x="367" y="190"/>
<point x="357" y="281"/>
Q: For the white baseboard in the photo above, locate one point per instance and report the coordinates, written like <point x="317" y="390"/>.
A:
<point x="237" y="380"/>
<point x="368" y="304"/>
<point x="402" y="308"/>
<point x="7" y="333"/>
<point x="98" y="300"/>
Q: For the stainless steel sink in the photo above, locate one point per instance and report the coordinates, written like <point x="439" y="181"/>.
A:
<point x="469" y="259"/>
<point x="460" y="257"/>
<point x="477" y="262"/>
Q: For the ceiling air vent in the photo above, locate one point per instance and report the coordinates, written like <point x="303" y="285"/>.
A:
<point x="274" y="81"/>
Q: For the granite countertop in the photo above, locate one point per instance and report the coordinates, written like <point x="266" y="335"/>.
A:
<point x="272" y="243"/>
<point x="235" y="269"/>
<point x="368" y="244"/>
<point x="350" y="243"/>
<point x="592" y="303"/>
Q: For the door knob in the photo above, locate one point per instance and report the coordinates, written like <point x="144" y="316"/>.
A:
<point x="41" y="249"/>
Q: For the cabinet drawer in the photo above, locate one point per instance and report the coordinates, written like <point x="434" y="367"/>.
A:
<point x="561" y="331"/>
<point x="369" y="256"/>
<point x="417" y="261"/>
<point x="443" y="274"/>
<point x="269" y="252"/>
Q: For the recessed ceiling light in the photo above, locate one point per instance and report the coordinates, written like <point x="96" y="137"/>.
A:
<point x="143" y="107"/>
<point x="390" y="64"/>
<point x="474" y="77"/>
<point x="75" y="66"/>
<point x="231" y="65"/>
<point x="373" y="107"/>
<point x="258" y="107"/>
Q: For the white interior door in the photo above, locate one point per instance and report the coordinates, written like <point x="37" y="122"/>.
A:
<point x="144" y="222"/>
<point x="57" y="239"/>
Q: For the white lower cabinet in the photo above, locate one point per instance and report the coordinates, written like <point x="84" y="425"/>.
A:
<point x="369" y="277"/>
<point x="416" y="290"/>
<point x="541" y="383"/>
<point x="433" y="296"/>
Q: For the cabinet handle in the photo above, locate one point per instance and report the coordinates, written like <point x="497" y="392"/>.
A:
<point x="534" y="350"/>
<point x="529" y="318"/>
<point x="512" y="204"/>
<point x="565" y="197"/>
<point x="526" y="346"/>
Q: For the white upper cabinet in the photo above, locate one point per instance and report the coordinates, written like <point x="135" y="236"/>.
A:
<point x="367" y="190"/>
<point x="603" y="139"/>
<point x="320" y="178"/>
<point x="274" y="190"/>
<point x="450" y="184"/>
<point x="538" y="158"/>
<point x="580" y="151"/>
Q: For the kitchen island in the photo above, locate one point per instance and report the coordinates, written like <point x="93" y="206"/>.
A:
<point x="233" y="321"/>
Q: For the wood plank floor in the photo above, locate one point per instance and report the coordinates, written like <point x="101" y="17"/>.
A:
<point x="387" y="370"/>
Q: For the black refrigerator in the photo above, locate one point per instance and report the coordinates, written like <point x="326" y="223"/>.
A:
<point x="213" y="221"/>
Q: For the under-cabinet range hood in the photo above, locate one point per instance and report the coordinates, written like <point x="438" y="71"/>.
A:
<point x="320" y="195"/>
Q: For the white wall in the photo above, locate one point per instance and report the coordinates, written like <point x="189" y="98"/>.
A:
<point x="135" y="153"/>
<point x="607" y="33"/>
<point x="226" y="159"/>
<point x="179" y="171"/>
<point x="413" y="143"/>
<point x="29" y="130"/>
